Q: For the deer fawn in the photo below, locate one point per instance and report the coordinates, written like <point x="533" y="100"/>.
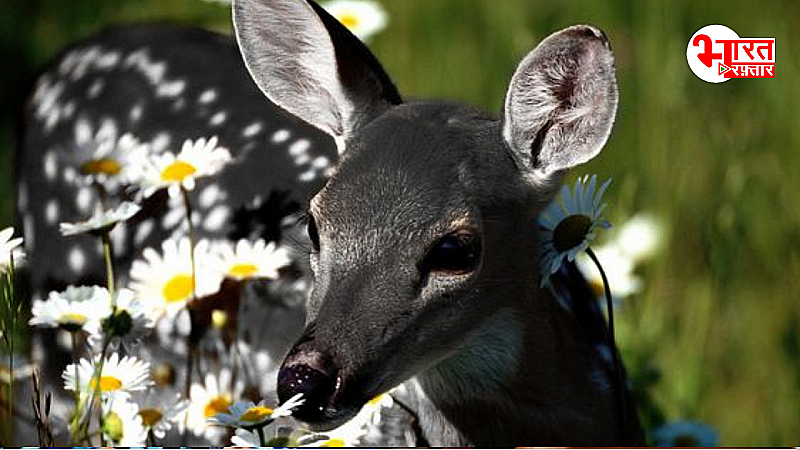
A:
<point x="424" y="240"/>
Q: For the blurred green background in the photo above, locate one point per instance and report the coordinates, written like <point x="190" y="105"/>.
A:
<point x="715" y="335"/>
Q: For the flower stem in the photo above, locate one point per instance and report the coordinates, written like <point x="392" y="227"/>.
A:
<point x="108" y="256"/>
<point x="12" y="335"/>
<point x="262" y="441"/>
<point x="190" y="342"/>
<point x="619" y="380"/>
<point x="151" y="438"/>
<point x="96" y="394"/>
<point x="190" y="224"/>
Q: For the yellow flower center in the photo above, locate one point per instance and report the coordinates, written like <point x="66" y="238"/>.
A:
<point x="105" y="166"/>
<point x="150" y="416"/>
<point x="336" y="442"/>
<point x="256" y="414"/>
<point x="349" y="20"/>
<point x="177" y="171"/>
<point x="375" y="400"/>
<point x="219" y="319"/>
<point x="107" y="383"/>
<point x="243" y="270"/>
<point x="178" y="288"/>
<point x="73" y="318"/>
<point x="217" y="405"/>
<point x="571" y="231"/>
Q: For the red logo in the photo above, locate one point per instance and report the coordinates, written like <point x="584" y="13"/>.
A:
<point x="716" y="54"/>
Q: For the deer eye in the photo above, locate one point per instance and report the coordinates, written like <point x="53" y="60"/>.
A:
<point x="313" y="233"/>
<point x="457" y="253"/>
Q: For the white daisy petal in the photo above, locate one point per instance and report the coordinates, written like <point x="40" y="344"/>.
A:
<point x="164" y="283"/>
<point x="9" y="247"/>
<point x="102" y="220"/>
<point x="76" y="308"/>
<point x="362" y="17"/>
<point x="118" y="379"/>
<point x="248" y="260"/>
<point x="196" y="159"/>
<point x="123" y="425"/>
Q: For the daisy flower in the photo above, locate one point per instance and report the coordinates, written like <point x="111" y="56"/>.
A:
<point x="131" y="321"/>
<point x="684" y="433"/>
<point x="101" y="221"/>
<point x="159" y="411"/>
<point x="618" y="267"/>
<point x="351" y="433"/>
<point x="640" y="237"/>
<point x="101" y="157"/>
<point x="163" y="282"/>
<point x="7" y="247"/>
<point x="250" y="259"/>
<point x="248" y="414"/>
<point x="363" y="18"/>
<point x="196" y="159"/>
<point x="76" y="308"/>
<point x="206" y="400"/>
<point x="245" y="438"/>
<point x="119" y="378"/>
<point x="569" y="223"/>
<point x="122" y="424"/>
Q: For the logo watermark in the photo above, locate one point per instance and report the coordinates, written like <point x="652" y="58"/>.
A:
<point x="716" y="53"/>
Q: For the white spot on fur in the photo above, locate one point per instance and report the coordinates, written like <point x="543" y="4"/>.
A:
<point x="119" y="237"/>
<point x="252" y="129"/>
<point x="280" y="136"/>
<point x="22" y="196"/>
<point x="210" y="195"/>
<point x="46" y="101"/>
<point x="51" y="212"/>
<point x="50" y="165"/>
<point x="70" y="174"/>
<point x="143" y="231"/>
<point x="321" y="162"/>
<point x="160" y="142"/>
<point x="302" y="159"/>
<point x="299" y="147"/>
<point x="308" y="176"/>
<point x="27" y="229"/>
<point x="76" y="259"/>
<point x="68" y="110"/>
<point x="208" y="96"/>
<point x="218" y="119"/>
<point x="216" y="218"/>
<point x="136" y="112"/>
<point x="95" y="89"/>
<point x="179" y="104"/>
<point x="84" y="199"/>
<point x="83" y="132"/>
<point x="171" y="88"/>
<point x="172" y="218"/>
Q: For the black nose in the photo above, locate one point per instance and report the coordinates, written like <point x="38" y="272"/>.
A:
<point x="316" y="386"/>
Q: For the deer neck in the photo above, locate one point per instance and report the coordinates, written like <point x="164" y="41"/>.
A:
<point x="524" y="377"/>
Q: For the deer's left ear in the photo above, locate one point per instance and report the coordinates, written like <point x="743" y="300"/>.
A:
<point x="309" y="64"/>
<point x="561" y="103"/>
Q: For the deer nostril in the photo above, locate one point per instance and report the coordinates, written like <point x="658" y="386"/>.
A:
<point x="317" y="388"/>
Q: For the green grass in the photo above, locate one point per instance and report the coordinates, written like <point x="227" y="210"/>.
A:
<point x="719" y="164"/>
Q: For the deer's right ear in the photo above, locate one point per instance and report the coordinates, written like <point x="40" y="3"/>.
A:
<point x="561" y="103"/>
<point x="309" y="64"/>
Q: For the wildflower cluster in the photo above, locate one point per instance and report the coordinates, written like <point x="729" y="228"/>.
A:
<point x="119" y="398"/>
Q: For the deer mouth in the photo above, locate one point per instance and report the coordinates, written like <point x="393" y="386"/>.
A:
<point x="326" y="405"/>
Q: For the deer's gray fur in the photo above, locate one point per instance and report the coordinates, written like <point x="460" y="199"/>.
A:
<point x="484" y="355"/>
